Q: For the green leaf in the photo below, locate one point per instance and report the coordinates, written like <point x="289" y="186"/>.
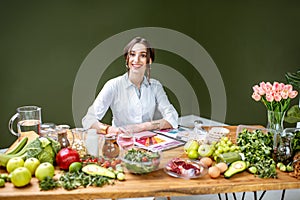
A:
<point x="44" y="142"/>
<point x="293" y="78"/>
<point x="34" y="148"/>
<point x="55" y="145"/>
<point x="293" y="115"/>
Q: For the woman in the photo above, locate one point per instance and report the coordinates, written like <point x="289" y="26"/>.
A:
<point x="133" y="97"/>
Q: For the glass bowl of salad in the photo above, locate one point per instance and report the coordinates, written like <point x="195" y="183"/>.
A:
<point x="140" y="161"/>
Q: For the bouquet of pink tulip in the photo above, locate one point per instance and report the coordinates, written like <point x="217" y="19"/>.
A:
<point x="275" y="97"/>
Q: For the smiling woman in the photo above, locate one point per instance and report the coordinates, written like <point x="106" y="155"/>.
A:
<point x="134" y="97"/>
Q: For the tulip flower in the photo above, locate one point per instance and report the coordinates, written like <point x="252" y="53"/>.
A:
<point x="276" y="96"/>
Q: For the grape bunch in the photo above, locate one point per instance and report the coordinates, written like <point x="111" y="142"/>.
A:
<point x="224" y="145"/>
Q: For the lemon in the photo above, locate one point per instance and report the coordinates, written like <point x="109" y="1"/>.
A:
<point x="193" y="154"/>
<point x="75" y="167"/>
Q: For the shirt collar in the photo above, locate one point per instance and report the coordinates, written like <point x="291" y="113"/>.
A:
<point x="128" y="82"/>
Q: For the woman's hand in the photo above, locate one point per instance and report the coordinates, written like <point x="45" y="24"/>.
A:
<point x="114" y="131"/>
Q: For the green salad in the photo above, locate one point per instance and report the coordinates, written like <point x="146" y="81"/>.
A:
<point x="140" y="161"/>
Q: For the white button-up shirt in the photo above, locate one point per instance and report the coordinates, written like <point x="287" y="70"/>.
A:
<point x="130" y="105"/>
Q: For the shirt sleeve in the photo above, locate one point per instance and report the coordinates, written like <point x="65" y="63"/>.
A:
<point x="167" y="110"/>
<point x="89" y="119"/>
<point x="100" y="106"/>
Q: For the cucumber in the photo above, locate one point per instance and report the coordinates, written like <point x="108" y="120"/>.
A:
<point x="94" y="169"/>
<point x="229" y="157"/>
<point x="18" y="146"/>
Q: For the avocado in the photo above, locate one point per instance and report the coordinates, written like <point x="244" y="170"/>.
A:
<point x="94" y="169"/>
<point x="234" y="168"/>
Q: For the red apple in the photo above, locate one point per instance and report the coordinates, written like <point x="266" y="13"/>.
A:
<point x="65" y="157"/>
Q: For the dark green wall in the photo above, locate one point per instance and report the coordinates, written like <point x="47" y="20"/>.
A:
<point x="43" y="44"/>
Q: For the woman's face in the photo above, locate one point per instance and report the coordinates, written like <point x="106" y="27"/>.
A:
<point x="137" y="59"/>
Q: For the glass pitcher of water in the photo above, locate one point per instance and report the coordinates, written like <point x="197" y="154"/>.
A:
<point x="28" y="119"/>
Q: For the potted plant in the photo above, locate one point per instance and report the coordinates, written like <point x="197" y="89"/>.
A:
<point x="293" y="114"/>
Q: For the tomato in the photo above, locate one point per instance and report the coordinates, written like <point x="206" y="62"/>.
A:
<point x="118" y="160"/>
<point x="113" y="164"/>
<point x="144" y="159"/>
<point x="101" y="160"/>
<point x="106" y="164"/>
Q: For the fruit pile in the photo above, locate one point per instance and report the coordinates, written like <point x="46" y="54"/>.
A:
<point x="217" y="156"/>
<point x="76" y="171"/>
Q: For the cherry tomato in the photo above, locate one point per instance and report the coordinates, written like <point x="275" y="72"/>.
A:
<point x="106" y="164"/>
<point x="144" y="159"/>
<point x="113" y="164"/>
<point x="118" y="160"/>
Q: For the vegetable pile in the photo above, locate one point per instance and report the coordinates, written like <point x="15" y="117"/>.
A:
<point x="42" y="148"/>
<point x="257" y="148"/>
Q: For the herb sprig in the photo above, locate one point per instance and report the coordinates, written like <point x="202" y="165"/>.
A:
<point x="73" y="180"/>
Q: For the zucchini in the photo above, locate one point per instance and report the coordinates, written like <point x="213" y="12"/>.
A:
<point x="229" y="157"/>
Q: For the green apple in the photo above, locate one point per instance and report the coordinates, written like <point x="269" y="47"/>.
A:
<point x="31" y="164"/>
<point x="14" y="163"/>
<point x="43" y="170"/>
<point x="20" y="177"/>
<point x="191" y="145"/>
<point x="205" y="150"/>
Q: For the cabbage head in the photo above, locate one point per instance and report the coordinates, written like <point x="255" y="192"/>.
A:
<point x="44" y="149"/>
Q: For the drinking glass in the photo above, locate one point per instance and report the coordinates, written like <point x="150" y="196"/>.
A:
<point x="126" y="138"/>
<point x="48" y="130"/>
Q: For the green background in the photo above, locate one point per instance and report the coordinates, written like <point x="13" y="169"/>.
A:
<point x="43" y="44"/>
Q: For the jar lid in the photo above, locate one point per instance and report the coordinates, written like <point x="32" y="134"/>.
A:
<point x="63" y="126"/>
<point x="48" y="126"/>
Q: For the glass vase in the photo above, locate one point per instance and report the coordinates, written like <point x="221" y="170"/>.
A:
<point x="275" y="121"/>
<point x="275" y="126"/>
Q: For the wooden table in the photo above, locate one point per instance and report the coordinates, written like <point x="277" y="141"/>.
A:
<point x="157" y="184"/>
